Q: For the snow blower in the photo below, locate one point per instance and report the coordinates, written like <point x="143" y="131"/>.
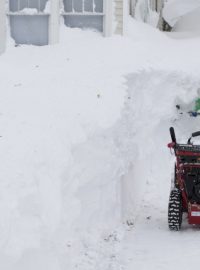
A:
<point x="185" y="192"/>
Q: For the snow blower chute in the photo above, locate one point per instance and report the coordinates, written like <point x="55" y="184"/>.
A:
<point x="185" y="192"/>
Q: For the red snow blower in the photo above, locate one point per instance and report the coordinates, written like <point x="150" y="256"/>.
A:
<point x="185" y="192"/>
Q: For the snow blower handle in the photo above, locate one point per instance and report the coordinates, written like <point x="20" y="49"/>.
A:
<point x="172" y="133"/>
<point x="173" y="136"/>
<point x="195" y="134"/>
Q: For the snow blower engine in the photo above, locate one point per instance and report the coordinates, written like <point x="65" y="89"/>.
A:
<point x="185" y="192"/>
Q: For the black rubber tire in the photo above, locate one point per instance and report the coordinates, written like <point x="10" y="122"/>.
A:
<point x="175" y="178"/>
<point x="175" y="211"/>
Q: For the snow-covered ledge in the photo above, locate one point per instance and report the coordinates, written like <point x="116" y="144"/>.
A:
<point x="2" y="26"/>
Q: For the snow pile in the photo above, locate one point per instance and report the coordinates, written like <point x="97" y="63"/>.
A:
<point x="175" y="9"/>
<point x="189" y="23"/>
<point x="52" y="198"/>
<point x="82" y="138"/>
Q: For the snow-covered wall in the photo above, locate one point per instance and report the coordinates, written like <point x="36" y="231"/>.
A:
<point x="2" y="26"/>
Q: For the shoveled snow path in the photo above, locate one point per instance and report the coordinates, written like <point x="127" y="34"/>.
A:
<point x="148" y="243"/>
<point x="139" y="141"/>
<point x="151" y="245"/>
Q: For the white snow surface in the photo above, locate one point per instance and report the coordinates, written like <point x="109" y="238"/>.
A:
<point x="84" y="128"/>
<point x="174" y="10"/>
<point x="189" y="23"/>
<point x="29" y="11"/>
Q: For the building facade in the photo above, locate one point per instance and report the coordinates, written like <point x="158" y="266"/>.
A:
<point x="37" y="22"/>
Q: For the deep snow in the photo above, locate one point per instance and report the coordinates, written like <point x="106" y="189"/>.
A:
<point x="174" y="10"/>
<point x="85" y="171"/>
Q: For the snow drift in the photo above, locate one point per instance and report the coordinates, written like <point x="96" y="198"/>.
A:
<point x="83" y="135"/>
<point x="189" y="22"/>
<point x="174" y="9"/>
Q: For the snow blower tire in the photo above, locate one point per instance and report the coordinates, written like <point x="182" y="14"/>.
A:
<point x="175" y="178"/>
<point x="175" y="211"/>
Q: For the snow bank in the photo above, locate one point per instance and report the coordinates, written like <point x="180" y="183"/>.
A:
<point x="188" y="23"/>
<point x="175" y="9"/>
<point x="63" y="97"/>
<point x="77" y="125"/>
<point x="148" y="115"/>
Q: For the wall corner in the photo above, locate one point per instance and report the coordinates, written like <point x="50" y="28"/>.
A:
<point x="54" y="21"/>
<point x="2" y="26"/>
<point x="108" y="18"/>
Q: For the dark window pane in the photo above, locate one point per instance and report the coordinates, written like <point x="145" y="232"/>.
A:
<point x="93" y="22"/>
<point x="23" y="4"/>
<point x="77" y="5"/>
<point x="13" y="5"/>
<point x="68" y="5"/>
<point x="16" y="5"/>
<point x="42" y="4"/>
<point x="98" y="5"/>
<point x="27" y="29"/>
<point x="88" y="6"/>
<point x="33" y="4"/>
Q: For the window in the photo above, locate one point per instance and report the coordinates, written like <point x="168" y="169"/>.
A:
<point x="29" y="26"/>
<point x="84" y="13"/>
<point x="18" y="5"/>
<point x="83" y="6"/>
